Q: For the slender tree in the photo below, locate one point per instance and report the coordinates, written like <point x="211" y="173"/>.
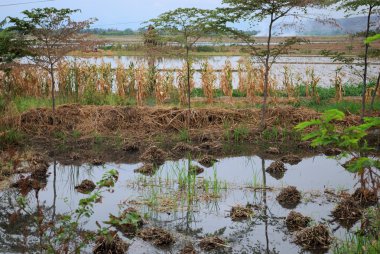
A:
<point x="184" y="26"/>
<point x="370" y="8"/>
<point x="253" y="12"/>
<point x="51" y="35"/>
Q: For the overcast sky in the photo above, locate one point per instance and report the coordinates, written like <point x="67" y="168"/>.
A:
<point x="118" y="14"/>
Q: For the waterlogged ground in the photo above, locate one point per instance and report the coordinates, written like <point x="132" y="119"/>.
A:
<point x="190" y="215"/>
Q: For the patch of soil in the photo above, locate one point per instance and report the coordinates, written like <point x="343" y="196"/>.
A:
<point x="291" y="159"/>
<point x="147" y="169"/>
<point x="241" y="213"/>
<point x="273" y="150"/>
<point x="347" y="212"/>
<point x="365" y="197"/>
<point x="211" y="147"/>
<point x="194" y="169"/>
<point x="212" y="243"/>
<point x="128" y="222"/>
<point x="296" y="221"/>
<point x="86" y="186"/>
<point x="182" y="148"/>
<point x="188" y="249"/>
<point x="131" y="147"/>
<point x="97" y="162"/>
<point x="314" y="238"/>
<point x="207" y="161"/>
<point x="74" y="156"/>
<point x="276" y="169"/>
<point x="289" y="197"/>
<point x="154" y="155"/>
<point x="157" y="236"/>
<point x="112" y="244"/>
<point x="332" y="152"/>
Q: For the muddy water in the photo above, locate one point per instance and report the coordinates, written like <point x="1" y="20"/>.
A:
<point x="324" y="67"/>
<point x="266" y="232"/>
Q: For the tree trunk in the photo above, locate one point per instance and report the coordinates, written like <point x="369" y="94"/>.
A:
<point x="52" y="90"/>
<point x="375" y="92"/>
<point x="365" y="65"/>
<point x="266" y="76"/>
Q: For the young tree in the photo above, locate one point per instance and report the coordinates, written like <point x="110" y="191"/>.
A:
<point x="184" y="26"/>
<point x="51" y="35"/>
<point x="370" y="8"/>
<point x="252" y="12"/>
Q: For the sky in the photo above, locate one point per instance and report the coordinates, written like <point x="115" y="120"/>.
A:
<point x="119" y="14"/>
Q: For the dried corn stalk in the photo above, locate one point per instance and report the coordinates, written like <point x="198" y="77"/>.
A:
<point x="121" y="78"/>
<point x="226" y="79"/>
<point x="182" y="83"/>
<point x="208" y="78"/>
<point x="141" y="83"/>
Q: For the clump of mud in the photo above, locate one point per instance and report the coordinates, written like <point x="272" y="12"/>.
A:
<point x="128" y="222"/>
<point x="154" y="155"/>
<point x="182" y="148"/>
<point x="289" y="197"/>
<point x="111" y="243"/>
<point x="131" y="147"/>
<point x="147" y="169"/>
<point x="296" y="221"/>
<point x="211" y="147"/>
<point x="276" y="169"/>
<point x="291" y="159"/>
<point x="273" y="150"/>
<point x="86" y="186"/>
<point x="194" y="169"/>
<point x="212" y="243"/>
<point x="314" y="238"/>
<point x="74" y="156"/>
<point x="188" y="249"/>
<point x="38" y="166"/>
<point x="97" y="162"/>
<point x="347" y="212"/>
<point x="365" y="197"/>
<point x="241" y="213"/>
<point x="332" y="152"/>
<point x="157" y="236"/>
<point x="207" y="161"/>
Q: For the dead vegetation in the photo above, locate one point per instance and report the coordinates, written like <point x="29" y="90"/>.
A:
<point x="207" y="161"/>
<point x="289" y="197"/>
<point x="110" y="244"/>
<point x="314" y="238"/>
<point x="147" y="169"/>
<point x="296" y="221"/>
<point x="86" y="186"/>
<point x="212" y="243"/>
<point x="157" y="236"/>
<point x="128" y="222"/>
<point x="154" y="155"/>
<point x="365" y="197"/>
<point x="241" y="213"/>
<point x="332" y="152"/>
<point x="188" y="249"/>
<point x="347" y="212"/>
<point x="276" y="169"/>
<point x="182" y="148"/>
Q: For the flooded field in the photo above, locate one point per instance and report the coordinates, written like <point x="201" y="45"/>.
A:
<point x="324" y="67"/>
<point x="189" y="206"/>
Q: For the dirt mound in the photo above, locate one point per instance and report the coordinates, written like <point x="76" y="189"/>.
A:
<point x="273" y="150"/>
<point x="131" y="147"/>
<point x="289" y="197"/>
<point x="154" y="155"/>
<point x="86" y="186"/>
<point x="97" y="162"/>
<point x="291" y="159"/>
<point x="240" y="213"/>
<point x="194" y="169"/>
<point x="113" y="244"/>
<point x="314" y="238"/>
<point x="296" y="221"/>
<point x="276" y="169"/>
<point x="207" y="161"/>
<point x="157" y="236"/>
<point x="347" y="212"/>
<point x="332" y="152"/>
<point x="212" y="243"/>
<point x="188" y="249"/>
<point x="365" y="197"/>
<point x="182" y="148"/>
<point x="147" y="169"/>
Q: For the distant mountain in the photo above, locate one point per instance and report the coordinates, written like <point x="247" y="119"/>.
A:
<point x="350" y="25"/>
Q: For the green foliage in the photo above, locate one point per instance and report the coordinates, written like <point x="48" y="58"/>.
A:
<point x="240" y="133"/>
<point x="372" y="39"/>
<point x="325" y="132"/>
<point x="184" y="135"/>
